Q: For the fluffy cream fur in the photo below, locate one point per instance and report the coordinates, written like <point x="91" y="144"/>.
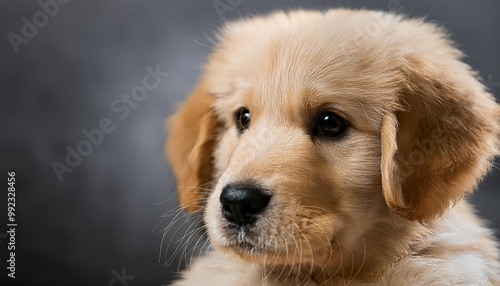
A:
<point x="382" y="205"/>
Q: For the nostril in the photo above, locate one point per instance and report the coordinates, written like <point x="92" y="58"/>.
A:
<point x="241" y="204"/>
<point x="226" y="207"/>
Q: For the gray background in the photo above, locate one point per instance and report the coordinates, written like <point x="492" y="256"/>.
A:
<point x="102" y="216"/>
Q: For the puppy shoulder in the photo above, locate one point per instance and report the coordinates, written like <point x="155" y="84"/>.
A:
<point x="217" y="269"/>
<point x="459" y="250"/>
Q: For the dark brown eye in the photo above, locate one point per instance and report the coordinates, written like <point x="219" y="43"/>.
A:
<point x="329" y="124"/>
<point x="242" y="119"/>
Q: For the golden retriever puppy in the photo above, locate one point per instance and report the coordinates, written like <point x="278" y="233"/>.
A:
<point x="336" y="148"/>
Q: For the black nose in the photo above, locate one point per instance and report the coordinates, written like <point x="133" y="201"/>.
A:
<point x="241" y="204"/>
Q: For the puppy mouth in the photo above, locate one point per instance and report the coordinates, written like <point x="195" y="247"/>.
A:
<point x="257" y="247"/>
<point x="242" y="237"/>
<point x="250" y="242"/>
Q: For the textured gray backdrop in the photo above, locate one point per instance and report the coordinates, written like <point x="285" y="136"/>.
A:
<point x="72" y="72"/>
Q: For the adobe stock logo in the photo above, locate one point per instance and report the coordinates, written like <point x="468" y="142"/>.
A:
<point x="29" y="29"/>
<point x="122" y="278"/>
<point x="223" y="6"/>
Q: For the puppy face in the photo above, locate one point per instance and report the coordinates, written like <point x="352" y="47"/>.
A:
<point x="306" y="137"/>
<point x="315" y="159"/>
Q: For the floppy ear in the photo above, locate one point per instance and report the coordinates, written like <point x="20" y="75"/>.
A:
<point x="437" y="147"/>
<point x="190" y="147"/>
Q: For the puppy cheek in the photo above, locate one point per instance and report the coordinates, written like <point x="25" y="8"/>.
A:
<point x="213" y="218"/>
<point x="223" y="151"/>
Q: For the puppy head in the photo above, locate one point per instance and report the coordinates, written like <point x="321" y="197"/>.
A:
<point x="307" y="133"/>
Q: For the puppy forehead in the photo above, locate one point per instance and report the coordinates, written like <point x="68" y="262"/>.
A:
<point x="295" y="67"/>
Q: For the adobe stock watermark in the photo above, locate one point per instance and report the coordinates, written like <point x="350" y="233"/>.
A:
<point x="224" y="6"/>
<point x="30" y="27"/>
<point x="120" y="277"/>
<point x="122" y="108"/>
<point x="430" y="146"/>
